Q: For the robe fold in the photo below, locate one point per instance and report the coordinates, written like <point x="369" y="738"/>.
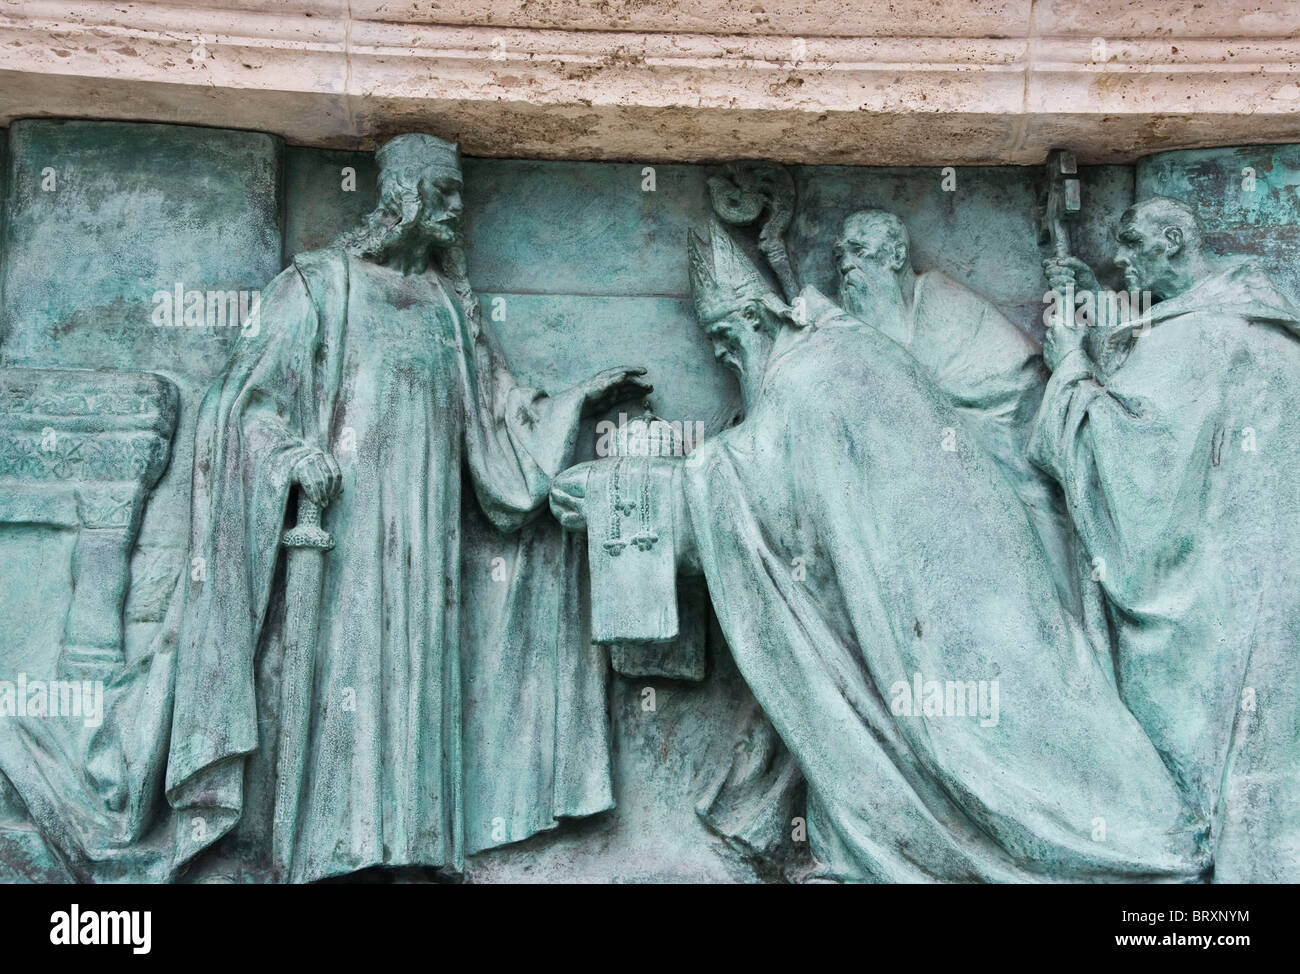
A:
<point x="1177" y="456"/>
<point x="537" y="736"/>
<point x="919" y="563"/>
<point x="993" y="375"/>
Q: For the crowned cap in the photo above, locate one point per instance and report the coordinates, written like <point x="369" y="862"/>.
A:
<point x="419" y="151"/>
<point x="723" y="278"/>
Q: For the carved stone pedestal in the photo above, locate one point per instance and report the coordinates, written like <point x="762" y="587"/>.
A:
<point x="80" y="450"/>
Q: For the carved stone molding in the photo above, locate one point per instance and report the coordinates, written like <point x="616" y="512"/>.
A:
<point x="828" y="82"/>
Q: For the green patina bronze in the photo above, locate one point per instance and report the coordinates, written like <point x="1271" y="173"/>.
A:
<point x="957" y="587"/>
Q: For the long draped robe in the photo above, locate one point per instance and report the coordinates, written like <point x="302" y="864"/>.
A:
<point x="458" y="705"/>
<point x="918" y="562"/>
<point x="1177" y="455"/>
<point x="386" y="373"/>
<point x="993" y="375"/>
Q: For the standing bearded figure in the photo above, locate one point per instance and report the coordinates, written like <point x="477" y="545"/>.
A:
<point x="373" y="385"/>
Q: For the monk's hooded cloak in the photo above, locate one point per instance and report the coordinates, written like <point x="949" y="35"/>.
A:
<point x="1178" y="459"/>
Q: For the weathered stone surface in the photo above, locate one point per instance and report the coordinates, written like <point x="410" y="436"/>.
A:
<point x="831" y="82"/>
<point x="100" y="218"/>
<point x="82" y="451"/>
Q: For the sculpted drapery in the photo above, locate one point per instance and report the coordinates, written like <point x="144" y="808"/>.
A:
<point x="943" y="686"/>
<point x="455" y="703"/>
<point x="1175" y="452"/>
<point x="386" y="774"/>
<point x="839" y="591"/>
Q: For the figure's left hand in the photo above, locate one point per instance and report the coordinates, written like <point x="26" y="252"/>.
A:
<point x="608" y="388"/>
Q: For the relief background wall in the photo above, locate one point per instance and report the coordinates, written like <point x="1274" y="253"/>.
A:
<point x="592" y="271"/>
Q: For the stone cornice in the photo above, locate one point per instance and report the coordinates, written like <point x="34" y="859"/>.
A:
<point x="986" y="91"/>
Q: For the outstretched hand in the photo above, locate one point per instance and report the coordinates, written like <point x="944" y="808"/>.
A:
<point x="612" y="386"/>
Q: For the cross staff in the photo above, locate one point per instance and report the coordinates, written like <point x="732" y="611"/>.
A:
<point x="1062" y="206"/>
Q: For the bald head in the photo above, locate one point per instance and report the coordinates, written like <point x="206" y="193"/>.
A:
<point x="1161" y="247"/>
<point x="875" y="234"/>
<point x="873" y="257"/>
<point x="1161" y="213"/>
